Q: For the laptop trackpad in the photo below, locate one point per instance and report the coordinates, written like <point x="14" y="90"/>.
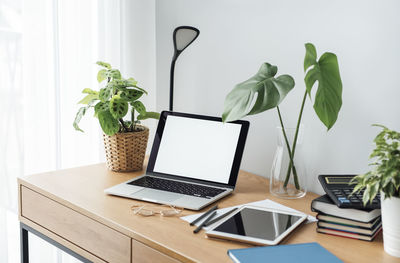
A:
<point x="156" y="195"/>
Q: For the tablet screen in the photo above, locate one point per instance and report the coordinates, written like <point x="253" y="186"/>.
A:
<point x="258" y="224"/>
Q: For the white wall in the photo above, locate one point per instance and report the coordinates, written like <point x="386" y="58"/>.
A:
<point x="138" y="58"/>
<point x="237" y="36"/>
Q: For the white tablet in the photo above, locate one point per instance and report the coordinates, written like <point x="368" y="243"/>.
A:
<point x="257" y="225"/>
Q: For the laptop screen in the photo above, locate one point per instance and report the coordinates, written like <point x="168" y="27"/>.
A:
<point x="197" y="148"/>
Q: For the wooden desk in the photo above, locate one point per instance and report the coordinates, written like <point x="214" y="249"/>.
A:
<point x="69" y="209"/>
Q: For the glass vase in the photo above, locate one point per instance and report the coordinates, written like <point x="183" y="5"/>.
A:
<point x="288" y="178"/>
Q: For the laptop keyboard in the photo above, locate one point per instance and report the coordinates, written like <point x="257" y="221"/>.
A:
<point x="177" y="187"/>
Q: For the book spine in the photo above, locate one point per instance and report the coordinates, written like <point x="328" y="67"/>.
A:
<point x="312" y="206"/>
<point x="355" y="236"/>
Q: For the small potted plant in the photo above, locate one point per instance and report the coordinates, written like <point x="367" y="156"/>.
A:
<point x="384" y="178"/>
<point x="125" y="141"/>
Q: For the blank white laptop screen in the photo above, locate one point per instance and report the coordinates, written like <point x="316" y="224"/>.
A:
<point x="199" y="149"/>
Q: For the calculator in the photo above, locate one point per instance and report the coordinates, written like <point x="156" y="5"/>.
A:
<point x="339" y="189"/>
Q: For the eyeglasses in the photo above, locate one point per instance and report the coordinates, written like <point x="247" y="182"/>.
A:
<point x="145" y="210"/>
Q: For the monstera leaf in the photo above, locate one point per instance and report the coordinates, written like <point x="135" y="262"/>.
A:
<point x="268" y="90"/>
<point x="328" y="98"/>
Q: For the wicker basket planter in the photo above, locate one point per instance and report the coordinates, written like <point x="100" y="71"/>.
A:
<point x="125" y="152"/>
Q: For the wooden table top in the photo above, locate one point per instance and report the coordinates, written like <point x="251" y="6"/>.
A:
<point x="81" y="189"/>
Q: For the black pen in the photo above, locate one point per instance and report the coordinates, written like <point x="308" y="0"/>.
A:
<point x="220" y="217"/>
<point x="205" y="222"/>
<point x="204" y="215"/>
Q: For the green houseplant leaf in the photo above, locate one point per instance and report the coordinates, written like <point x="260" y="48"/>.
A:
<point x="109" y="125"/>
<point x="114" y="74"/>
<point x="89" y="91"/>
<point x="81" y="112"/>
<point x="100" y="106"/>
<point x="104" y="64"/>
<point x="115" y="98"/>
<point x="139" y="107"/>
<point x="131" y="94"/>
<point x="89" y="98"/>
<point x="101" y="75"/>
<point x="328" y="98"/>
<point x="106" y="93"/>
<point x="118" y="107"/>
<point x="149" y="115"/>
<point x="268" y="90"/>
<point x="385" y="174"/>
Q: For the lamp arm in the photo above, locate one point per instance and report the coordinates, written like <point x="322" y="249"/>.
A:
<point x="171" y="82"/>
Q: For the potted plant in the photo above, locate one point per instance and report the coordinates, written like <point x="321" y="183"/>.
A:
<point x="265" y="91"/>
<point x="125" y="141"/>
<point x="384" y="178"/>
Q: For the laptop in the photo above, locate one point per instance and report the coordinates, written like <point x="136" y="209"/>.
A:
<point x="194" y="161"/>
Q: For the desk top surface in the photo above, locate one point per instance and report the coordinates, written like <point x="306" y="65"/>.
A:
<point x="82" y="188"/>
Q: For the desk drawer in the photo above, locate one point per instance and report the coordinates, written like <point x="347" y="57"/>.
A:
<point x="84" y="232"/>
<point x="142" y="253"/>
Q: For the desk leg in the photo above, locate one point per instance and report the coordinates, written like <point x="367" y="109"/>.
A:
<point x="24" y="244"/>
<point x="25" y="248"/>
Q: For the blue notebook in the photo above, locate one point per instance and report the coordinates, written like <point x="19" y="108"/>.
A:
<point x="295" y="253"/>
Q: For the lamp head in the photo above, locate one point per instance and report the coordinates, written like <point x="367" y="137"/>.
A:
<point x="183" y="37"/>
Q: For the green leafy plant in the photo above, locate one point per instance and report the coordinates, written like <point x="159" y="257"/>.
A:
<point x="385" y="175"/>
<point x="264" y="91"/>
<point x="113" y="102"/>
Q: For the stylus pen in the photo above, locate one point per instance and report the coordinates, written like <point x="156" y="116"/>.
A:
<point x="220" y="217"/>
<point x="204" y="215"/>
<point x="205" y="222"/>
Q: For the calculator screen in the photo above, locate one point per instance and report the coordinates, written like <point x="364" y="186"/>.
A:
<point x="338" y="180"/>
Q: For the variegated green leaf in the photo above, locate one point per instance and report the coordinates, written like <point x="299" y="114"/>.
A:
<point x="108" y="123"/>
<point x="100" y="106"/>
<point x="81" y="112"/>
<point x="149" y="115"/>
<point x="89" y="98"/>
<point x="104" y="64"/>
<point x="139" y="107"/>
<point x="131" y="94"/>
<point x="114" y="74"/>
<point x="118" y="107"/>
<point x="101" y="75"/>
<point x="89" y="91"/>
<point x="123" y="84"/>
<point x="132" y="82"/>
<point x="106" y="93"/>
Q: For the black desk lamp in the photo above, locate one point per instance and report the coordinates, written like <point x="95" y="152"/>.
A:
<point x="183" y="36"/>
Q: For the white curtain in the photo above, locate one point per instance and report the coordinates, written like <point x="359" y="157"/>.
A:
<point x="48" y="50"/>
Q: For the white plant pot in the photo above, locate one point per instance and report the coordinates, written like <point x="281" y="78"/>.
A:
<point x="390" y="224"/>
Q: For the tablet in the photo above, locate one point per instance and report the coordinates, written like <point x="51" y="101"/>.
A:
<point x="257" y="225"/>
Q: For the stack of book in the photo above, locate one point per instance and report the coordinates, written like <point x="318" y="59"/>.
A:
<point x="345" y="222"/>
